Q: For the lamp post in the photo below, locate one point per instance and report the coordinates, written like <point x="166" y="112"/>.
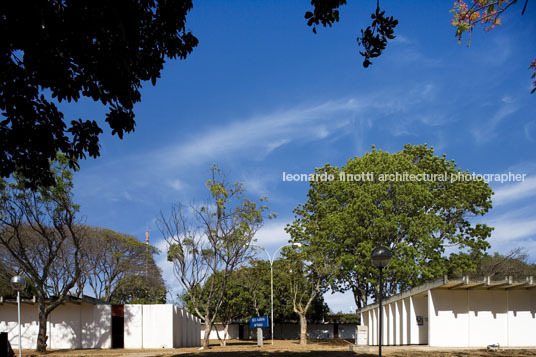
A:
<point x="271" y="260"/>
<point x="18" y="283"/>
<point x="380" y="259"/>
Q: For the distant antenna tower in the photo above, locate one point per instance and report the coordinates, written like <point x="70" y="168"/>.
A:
<point x="146" y="253"/>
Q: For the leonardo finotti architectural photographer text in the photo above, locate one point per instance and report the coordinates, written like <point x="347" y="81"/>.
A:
<point x="405" y="176"/>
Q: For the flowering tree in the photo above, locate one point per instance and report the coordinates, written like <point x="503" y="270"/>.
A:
<point x="487" y="13"/>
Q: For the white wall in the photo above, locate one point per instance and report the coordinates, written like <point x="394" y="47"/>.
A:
<point x="133" y="326"/>
<point x="449" y="318"/>
<point x="160" y="326"/>
<point x="64" y="327"/>
<point x="232" y="332"/>
<point x="477" y="318"/>
<point x="157" y="326"/>
<point x="487" y="317"/>
<point x="69" y="325"/>
<point x="522" y="317"/>
<point x="419" y="307"/>
<point x="96" y="325"/>
<point x="9" y="324"/>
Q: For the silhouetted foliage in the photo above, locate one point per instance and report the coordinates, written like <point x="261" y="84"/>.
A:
<point x="325" y="12"/>
<point x="373" y="38"/>
<point x="52" y="51"/>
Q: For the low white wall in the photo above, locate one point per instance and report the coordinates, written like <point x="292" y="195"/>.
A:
<point x="69" y="325"/>
<point x="477" y="318"/>
<point x="232" y="332"/>
<point x="399" y="322"/>
<point x="160" y="326"/>
<point x="96" y="326"/>
<point x="133" y="326"/>
<point x="188" y="332"/>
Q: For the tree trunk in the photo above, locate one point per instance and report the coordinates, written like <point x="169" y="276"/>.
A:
<point x="42" y="334"/>
<point x="207" y="333"/>
<point x="303" y="329"/>
<point x="225" y="334"/>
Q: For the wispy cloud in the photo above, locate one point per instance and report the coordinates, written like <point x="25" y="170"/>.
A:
<point x="515" y="191"/>
<point x="262" y="134"/>
<point x="514" y="229"/>
<point x="252" y="139"/>
<point x="176" y="184"/>
<point x="484" y="132"/>
<point x="530" y="130"/>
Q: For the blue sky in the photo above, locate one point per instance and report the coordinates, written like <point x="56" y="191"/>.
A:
<point x="262" y="95"/>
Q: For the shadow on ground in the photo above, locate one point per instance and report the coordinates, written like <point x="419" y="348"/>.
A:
<point x="278" y="353"/>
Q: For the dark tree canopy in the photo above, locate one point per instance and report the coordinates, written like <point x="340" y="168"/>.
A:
<point x="57" y="50"/>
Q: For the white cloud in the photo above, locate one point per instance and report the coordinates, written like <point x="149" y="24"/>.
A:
<point x="276" y="144"/>
<point x="530" y="130"/>
<point x="252" y="138"/>
<point x="272" y="234"/>
<point x="515" y="191"/>
<point x="484" y="132"/>
<point x="340" y="301"/>
<point x="261" y="133"/>
<point x="512" y="230"/>
<point x="176" y="184"/>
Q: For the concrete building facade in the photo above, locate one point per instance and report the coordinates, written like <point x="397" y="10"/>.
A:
<point x="160" y="326"/>
<point x="87" y="323"/>
<point x="79" y="323"/>
<point x="457" y="313"/>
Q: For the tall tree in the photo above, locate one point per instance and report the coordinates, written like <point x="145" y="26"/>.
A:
<point x="215" y="240"/>
<point x="309" y="276"/>
<point x="417" y="214"/>
<point x="52" y="51"/>
<point x="247" y="294"/>
<point x="40" y="236"/>
<point x="115" y="263"/>
<point x="237" y="302"/>
<point x="141" y="289"/>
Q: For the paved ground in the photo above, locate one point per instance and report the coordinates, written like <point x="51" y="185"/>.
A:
<point x="286" y="348"/>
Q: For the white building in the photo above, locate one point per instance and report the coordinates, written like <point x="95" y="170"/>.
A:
<point x="89" y="323"/>
<point x="79" y="323"/>
<point x="160" y="326"/>
<point x="457" y="313"/>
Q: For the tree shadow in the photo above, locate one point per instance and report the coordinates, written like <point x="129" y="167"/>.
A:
<point x="277" y="353"/>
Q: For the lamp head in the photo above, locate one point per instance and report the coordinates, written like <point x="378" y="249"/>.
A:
<point x="18" y="283"/>
<point x="297" y="244"/>
<point x="381" y="257"/>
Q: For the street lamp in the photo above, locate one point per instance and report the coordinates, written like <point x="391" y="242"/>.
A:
<point x="380" y="259"/>
<point x="271" y="259"/>
<point x="18" y="283"/>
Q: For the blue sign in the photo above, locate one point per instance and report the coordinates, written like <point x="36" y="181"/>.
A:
<point x="261" y="321"/>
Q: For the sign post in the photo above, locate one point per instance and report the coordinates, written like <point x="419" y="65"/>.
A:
<point x="258" y="323"/>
